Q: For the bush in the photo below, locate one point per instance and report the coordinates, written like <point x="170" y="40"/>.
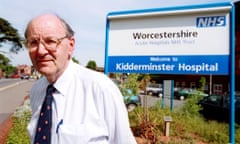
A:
<point x="187" y="125"/>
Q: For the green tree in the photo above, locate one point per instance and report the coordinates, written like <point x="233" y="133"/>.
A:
<point x="5" y="65"/>
<point x="92" y="65"/>
<point x="4" y="61"/>
<point x="131" y="82"/>
<point x="75" y="60"/>
<point x="9" y="35"/>
<point x="202" y="83"/>
<point x="144" y="80"/>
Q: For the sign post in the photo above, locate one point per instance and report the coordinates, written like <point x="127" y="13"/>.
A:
<point x="197" y="40"/>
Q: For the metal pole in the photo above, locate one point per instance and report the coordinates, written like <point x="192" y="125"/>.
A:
<point x="210" y="85"/>
<point x="232" y="79"/>
<point x="172" y="94"/>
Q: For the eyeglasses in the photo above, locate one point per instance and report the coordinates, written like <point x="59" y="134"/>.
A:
<point x="50" y="43"/>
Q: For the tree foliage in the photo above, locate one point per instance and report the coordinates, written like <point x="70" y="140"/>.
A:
<point x="92" y="65"/>
<point x="4" y="60"/>
<point x="144" y="80"/>
<point x="75" y="60"/>
<point x="131" y="82"/>
<point x="5" y="65"/>
<point x="202" y="83"/>
<point x="9" y="34"/>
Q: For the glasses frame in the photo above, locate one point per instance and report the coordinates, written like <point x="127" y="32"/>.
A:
<point x="41" y="41"/>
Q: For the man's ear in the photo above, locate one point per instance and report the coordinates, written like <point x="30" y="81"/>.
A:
<point x="71" y="45"/>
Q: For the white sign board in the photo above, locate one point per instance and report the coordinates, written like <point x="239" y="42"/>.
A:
<point x="183" y="40"/>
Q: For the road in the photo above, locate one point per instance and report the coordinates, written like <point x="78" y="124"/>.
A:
<point x="12" y="94"/>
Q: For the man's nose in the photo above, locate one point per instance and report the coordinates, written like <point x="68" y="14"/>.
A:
<point x="41" y="47"/>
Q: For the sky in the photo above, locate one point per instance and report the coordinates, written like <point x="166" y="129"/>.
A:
<point x="87" y="18"/>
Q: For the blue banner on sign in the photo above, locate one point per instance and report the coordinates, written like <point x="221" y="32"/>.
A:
<point x="200" y="64"/>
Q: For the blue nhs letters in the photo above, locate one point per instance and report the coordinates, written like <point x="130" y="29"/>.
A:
<point x="211" y="21"/>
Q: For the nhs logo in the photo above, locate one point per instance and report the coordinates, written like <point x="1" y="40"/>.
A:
<point x="211" y="21"/>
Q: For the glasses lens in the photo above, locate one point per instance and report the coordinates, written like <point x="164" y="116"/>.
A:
<point x="49" y="43"/>
<point x="33" y="43"/>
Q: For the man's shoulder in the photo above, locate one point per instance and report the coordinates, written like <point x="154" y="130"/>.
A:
<point x="88" y="73"/>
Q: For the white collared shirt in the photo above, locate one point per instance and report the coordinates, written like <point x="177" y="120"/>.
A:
<point x="89" y="105"/>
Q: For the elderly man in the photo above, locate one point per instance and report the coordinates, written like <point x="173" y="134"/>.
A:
<point x="80" y="106"/>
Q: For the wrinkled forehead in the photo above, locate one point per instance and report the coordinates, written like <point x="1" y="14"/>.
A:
<point x="48" y="25"/>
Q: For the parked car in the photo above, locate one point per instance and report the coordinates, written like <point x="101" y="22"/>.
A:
<point x="15" y="76"/>
<point x="24" y="76"/>
<point x="218" y="107"/>
<point x="184" y="93"/>
<point x="131" y="100"/>
<point x="154" y="89"/>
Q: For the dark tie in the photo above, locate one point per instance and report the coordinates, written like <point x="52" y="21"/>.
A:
<point x="43" y="131"/>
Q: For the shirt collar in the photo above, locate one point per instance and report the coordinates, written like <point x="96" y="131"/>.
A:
<point x="63" y="82"/>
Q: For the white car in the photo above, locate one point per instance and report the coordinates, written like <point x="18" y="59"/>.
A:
<point x="154" y="89"/>
<point x="25" y="76"/>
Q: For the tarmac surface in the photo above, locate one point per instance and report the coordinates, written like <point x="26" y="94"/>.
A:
<point x="11" y="97"/>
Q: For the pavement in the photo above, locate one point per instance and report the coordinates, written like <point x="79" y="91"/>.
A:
<point x="5" y="128"/>
<point x="11" y="97"/>
<point x="10" y="86"/>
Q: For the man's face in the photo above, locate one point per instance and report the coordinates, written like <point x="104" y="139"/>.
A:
<point x="49" y="48"/>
